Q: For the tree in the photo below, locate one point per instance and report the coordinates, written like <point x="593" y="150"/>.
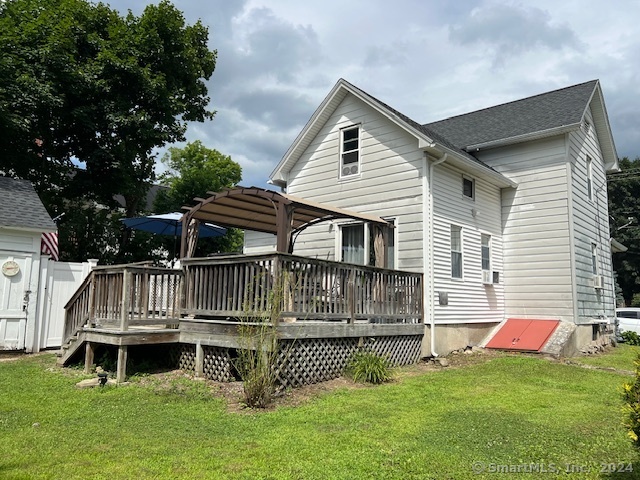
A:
<point x="192" y="172"/>
<point x="624" y="211"/>
<point x="81" y="84"/>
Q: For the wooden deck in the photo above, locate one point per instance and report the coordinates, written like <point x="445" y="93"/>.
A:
<point x="203" y="304"/>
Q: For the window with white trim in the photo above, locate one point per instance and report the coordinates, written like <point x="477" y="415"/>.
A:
<point x="589" y="178"/>
<point x="353" y="244"/>
<point x="349" y="151"/>
<point x="468" y="187"/>
<point x="594" y="258"/>
<point x="485" y="241"/>
<point x="357" y="244"/>
<point x="456" y="251"/>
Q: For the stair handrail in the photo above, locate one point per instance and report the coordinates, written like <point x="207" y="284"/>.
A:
<point x="78" y="308"/>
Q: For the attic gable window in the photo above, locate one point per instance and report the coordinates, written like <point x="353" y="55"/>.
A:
<point x="350" y="151"/>
<point x="468" y="188"/>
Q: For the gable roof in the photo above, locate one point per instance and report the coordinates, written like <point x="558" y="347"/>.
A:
<point x="552" y="113"/>
<point x="428" y="139"/>
<point x="22" y="208"/>
<point x="546" y="114"/>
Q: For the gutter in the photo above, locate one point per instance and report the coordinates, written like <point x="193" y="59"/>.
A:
<point x="427" y="234"/>
<point x="522" y="138"/>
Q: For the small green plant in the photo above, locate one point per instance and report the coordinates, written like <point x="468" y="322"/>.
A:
<point x="630" y="338"/>
<point x="631" y="397"/>
<point x="368" y="366"/>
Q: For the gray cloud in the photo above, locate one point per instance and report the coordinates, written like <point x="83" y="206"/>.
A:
<point x="280" y="109"/>
<point x="386" y="56"/>
<point x="510" y="30"/>
<point x="430" y="59"/>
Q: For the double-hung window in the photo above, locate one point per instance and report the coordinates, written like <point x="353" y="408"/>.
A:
<point x="456" y="251"/>
<point x="589" y="178"/>
<point x="485" y="241"/>
<point x="349" y="151"/>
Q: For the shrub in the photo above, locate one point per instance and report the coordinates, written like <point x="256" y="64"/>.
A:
<point x="631" y="338"/>
<point x="631" y="397"/>
<point x="256" y="363"/>
<point x="368" y="366"/>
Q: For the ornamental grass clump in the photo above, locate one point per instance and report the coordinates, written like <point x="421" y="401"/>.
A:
<point x="369" y="366"/>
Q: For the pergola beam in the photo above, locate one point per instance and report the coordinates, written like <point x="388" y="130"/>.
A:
<point x="268" y="211"/>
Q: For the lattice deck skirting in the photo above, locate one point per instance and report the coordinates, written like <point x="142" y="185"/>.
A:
<point x="217" y="364"/>
<point x="187" y="357"/>
<point x="306" y="361"/>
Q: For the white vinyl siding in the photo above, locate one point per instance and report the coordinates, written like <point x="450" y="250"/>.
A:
<point x="258" y="242"/>
<point x="389" y="184"/>
<point x="469" y="300"/>
<point x="538" y="280"/>
<point x="591" y="224"/>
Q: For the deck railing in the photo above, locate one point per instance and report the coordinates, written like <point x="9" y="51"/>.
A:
<point x="125" y="295"/>
<point x="300" y="289"/>
<point x="248" y="286"/>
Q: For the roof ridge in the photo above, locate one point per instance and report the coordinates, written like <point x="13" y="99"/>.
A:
<point x="512" y="102"/>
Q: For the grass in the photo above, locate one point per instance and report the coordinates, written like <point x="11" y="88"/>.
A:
<point x="620" y="358"/>
<point x="509" y="410"/>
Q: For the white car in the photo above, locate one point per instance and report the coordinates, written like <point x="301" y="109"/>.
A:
<point x="628" y="319"/>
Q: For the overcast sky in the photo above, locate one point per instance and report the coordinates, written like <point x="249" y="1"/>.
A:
<point x="429" y="59"/>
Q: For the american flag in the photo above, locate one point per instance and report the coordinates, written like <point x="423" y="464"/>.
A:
<point x="49" y="244"/>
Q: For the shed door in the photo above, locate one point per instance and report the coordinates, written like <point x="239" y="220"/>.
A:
<point x="14" y="298"/>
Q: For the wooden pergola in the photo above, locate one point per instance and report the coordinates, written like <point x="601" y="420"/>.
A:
<point x="280" y="214"/>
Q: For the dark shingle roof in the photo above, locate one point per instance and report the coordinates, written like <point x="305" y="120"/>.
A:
<point x="21" y="207"/>
<point x="533" y="114"/>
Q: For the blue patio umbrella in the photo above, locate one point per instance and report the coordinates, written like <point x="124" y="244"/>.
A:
<point x="170" y="224"/>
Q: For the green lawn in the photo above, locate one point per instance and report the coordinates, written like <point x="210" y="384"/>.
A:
<point x="509" y="410"/>
<point x="621" y="358"/>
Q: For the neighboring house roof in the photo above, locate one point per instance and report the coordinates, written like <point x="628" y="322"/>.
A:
<point x="22" y="208"/>
<point x="152" y="193"/>
<point x="539" y="116"/>
<point x="427" y="139"/>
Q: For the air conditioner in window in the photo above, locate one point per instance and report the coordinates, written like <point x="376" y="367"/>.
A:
<point x="598" y="281"/>
<point x="487" y="277"/>
<point x="349" y="170"/>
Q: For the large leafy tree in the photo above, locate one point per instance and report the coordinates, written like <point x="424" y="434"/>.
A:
<point x="624" y="211"/>
<point x="192" y="172"/>
<point x="81" y="84"/>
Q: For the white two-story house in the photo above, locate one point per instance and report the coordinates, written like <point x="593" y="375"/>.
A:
<point x="504" y="209"/>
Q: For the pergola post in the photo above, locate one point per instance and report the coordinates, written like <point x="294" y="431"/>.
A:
<point x="186" y="219"/>
<point x="284" y="213"/>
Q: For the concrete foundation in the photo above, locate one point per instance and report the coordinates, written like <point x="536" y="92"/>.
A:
<point x="568" y="340"/>
<point x="454" y="337"/>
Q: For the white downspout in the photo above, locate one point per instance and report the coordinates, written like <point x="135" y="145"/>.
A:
<point x="427" y="235"/>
